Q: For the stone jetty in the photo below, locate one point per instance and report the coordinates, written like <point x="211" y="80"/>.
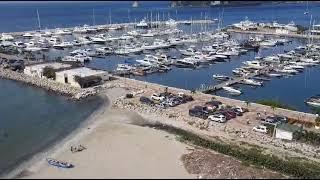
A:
<point x="48" y="84"/>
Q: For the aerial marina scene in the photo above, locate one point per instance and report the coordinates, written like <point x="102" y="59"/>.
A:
<point x="160" y="89"/>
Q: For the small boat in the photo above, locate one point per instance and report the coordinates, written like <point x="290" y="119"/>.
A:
<point x="220" y="77"/>
<point x="61" y="164"/>
<point x="232" y="90"/>
<point x="313" y="101"/>
<point x="252" y="82"/>
<point x="274" y="75"/>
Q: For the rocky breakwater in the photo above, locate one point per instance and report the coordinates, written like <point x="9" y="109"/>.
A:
<point x="48" y="84"/>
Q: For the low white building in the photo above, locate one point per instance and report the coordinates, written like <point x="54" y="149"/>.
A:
<point x="37" y="70"/>
<point x="68" y="76"/>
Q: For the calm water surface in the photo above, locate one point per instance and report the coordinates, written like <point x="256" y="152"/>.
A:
<point x="32" y="118"/>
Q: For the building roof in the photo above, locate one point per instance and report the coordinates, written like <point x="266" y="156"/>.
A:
<point x="82" y="72"/>
<point x="289" y="127"/>
<point x="54" y="65"/>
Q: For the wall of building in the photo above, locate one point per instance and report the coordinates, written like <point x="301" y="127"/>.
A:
<point x="281" y="134"/>
<point x="61" y="79"/>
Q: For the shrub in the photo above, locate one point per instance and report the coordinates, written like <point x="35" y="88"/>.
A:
<point x="275" y="104"/>
<point x="49" y="72"/>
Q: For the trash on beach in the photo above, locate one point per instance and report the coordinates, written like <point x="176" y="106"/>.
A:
<point x="61" y="164"/>
<point x="77" y="148"/>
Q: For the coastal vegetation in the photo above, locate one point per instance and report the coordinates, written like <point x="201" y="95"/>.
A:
<point x="274" y="104"/>
<point x="49" y="72"/>
<point x="253" y="156"/>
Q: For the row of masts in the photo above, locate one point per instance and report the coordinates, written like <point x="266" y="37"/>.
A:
<point x="151" y="18"/>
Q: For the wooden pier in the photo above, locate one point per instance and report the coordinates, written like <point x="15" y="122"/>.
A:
<point x="292" y="35"/>
<point x="212" y="88"/>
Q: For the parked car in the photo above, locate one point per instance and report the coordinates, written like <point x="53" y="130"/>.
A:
<point x="260" y="128"/>
<point x="146" y="100"/>
<point x="281" y="119"/>
<point x="157" y="97"/>
<point x="213" y="105"/>
<point x="270" y="120"/>
<point x="238" y="113"/>
<point x="218" y="118"/>
<point x="229" y="113"/>
<point x="185" y="97"/>
<point x="198" y="113"/>
<point x="239" y="109"/>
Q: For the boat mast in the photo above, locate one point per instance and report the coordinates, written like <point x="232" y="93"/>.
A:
<point x="38" y="20"/>
<point x="110" y="16"/>
<point x="93" y="18"/>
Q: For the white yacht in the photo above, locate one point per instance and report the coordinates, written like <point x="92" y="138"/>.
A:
<point x="188" y="52"/>
<point x="149" y="33"/>
<point x="124" y="67"/>
<point x="32" y="48"/>
<point x="232" y="90"/>
<point x="252" y="82"/>
<point x="287" y="70"/>
<point x="19" y="44"/>
<point x="208" y="49"/>
<point x="62" y="32"/>
<point x="186" y="62"/>
<point x="142" y="24"/>
<point x="105" y="50"/>
<point x="254" y="64"/>
<point x="268" y="43"/>
<point x="146" y="61"/>
<point x="220" y="77"/>
<point x="171" y="23"/>
<point x="6" y="37"/>
<point x="27" y="35"/>
<point x="133" y="33"/>
<point x="77" y="58"/>
<point x="99" y="39"/>
<point x="313" y="101"/>
<point x="63" y="45"/>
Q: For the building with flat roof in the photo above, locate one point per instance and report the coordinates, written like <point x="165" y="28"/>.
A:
<point x="87" y="75"/>
<point x="37" y="69"/>
<point x="286" y="131"/>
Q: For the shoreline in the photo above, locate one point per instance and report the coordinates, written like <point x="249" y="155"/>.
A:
<point x="53" y="149"/>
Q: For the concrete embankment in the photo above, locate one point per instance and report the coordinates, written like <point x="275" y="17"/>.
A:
<point x="49" y="85"/>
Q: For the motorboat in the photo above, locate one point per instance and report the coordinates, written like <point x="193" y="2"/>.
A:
<point x="208" y="49"/>
<point x="171" y="23"/>
<point x="77" y="58"/>
<point x="221" y="77"/>
<point x="142" y="24"/>
<point x="19" y="44"/>
<point x="125" y="67"/>
<point x="313" y="101"/>
<point x="62" y="32"/>
<point x="268" y="43"/>
<point x="133" y="33"/>
<point x="98" y="39"/>
<point x="6" y="44"/>
<point x="6" y="37"/>
<point x="287" y="70"/>
<point x="274" y="75"/>
<point x="105" y="50"/>
<point x="32" y="48"/>
<point x="188" y="52"/>
<point x="232" y="90"/>
<point x="27" y="35"/>
<point x="252" y="82"/>
<point x="147" y="34"/>
<point x="186" y="62"/>
<point x="147" y="61"/>
<point x="63" y="45"/>
<point x="254" y="64"/>
<point x="61" y="164"/>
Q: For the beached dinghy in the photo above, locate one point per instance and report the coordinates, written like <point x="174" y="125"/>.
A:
<point x="57" y="163"/>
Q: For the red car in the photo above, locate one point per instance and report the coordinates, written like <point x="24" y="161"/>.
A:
<point x="228" y="114"/>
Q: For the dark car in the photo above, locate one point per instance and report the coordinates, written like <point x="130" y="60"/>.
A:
<point x="198" y="113"/>
<point x="270" y="120"/>
<point x="146" y="100"/>
<point x="281" y="119"/>
<point x="231" y="113"/>
<point x="187" y="98"/>
<point x="238" y="113"/>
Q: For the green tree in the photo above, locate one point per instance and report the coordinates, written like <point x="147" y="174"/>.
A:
<point x="49" y="72"/>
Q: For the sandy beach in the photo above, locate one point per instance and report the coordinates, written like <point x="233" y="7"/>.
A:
<point x="116" y="148"/>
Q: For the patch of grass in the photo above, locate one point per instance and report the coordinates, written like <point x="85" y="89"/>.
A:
<point x="252" y="156"/>
<point x="275" y="104"/>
